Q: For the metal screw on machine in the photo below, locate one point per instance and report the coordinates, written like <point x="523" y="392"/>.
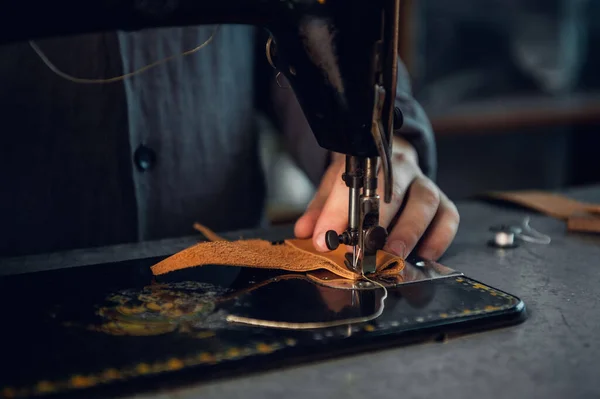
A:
<point x="333" y="240"/>
<point x="375" y="239"/>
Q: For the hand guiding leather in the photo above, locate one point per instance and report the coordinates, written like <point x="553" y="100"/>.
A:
<point x="428" y="217"/>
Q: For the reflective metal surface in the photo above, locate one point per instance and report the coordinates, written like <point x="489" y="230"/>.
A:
<point x="92" y="326"/>
<point x="415" y="270"/>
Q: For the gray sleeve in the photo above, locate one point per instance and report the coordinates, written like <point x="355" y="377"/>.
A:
<point x="416" y="128"/>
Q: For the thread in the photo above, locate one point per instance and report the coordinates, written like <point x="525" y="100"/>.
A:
<point x="536" y="237"/>
<point x="313" y="325"/>
<point x="115" y="79"/>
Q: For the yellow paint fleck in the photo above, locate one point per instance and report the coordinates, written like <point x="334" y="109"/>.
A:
<point x="264" y="348"/>
<point x="490" y="308"/>
<point x="44" y="387"/>
<point x="233" y="352"/>
<point x="111" y="374"/>
<point x="492" y="293"/>
<point x="153" y="306"/>
<point x="369" y="328"/>
<point x="460" y="280"/>
<point x="142" y="368"/>
<point x="206" y="357"/>
<point x="290" y="342"/>
<point x="175" y="364"/>
<point x="80" y="381"/>
<point x="444" y="315"/>
<point x="466" y="311"/>
<point x="478" y="286"/>
<point x="9" y="393"/>
<point x="126" y="310"/>
<point x="205" y="334"/>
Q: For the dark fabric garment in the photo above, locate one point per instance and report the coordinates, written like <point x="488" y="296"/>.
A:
<point x="198" y="115"/>
<point x="65" y="175"/>
<point x="67" y="167"/>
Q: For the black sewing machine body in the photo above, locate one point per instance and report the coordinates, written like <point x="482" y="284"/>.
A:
<point x="332" y="52"/>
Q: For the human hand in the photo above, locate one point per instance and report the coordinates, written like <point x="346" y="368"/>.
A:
<point x="419" y="212"/>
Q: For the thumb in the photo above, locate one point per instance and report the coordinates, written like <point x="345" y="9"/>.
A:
<point x="333" y="215"/>
<point x="305" y="225"/>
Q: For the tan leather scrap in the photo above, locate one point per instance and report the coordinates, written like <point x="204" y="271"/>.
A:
<point x="584" y="222"/>
<point x="580" y="216"/>
<point x="295" y="255"/>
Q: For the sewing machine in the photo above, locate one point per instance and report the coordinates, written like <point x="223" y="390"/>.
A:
<point x="339" y="56"/>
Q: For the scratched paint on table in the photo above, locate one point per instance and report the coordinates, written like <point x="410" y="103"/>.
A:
<point x="186" y="307"/>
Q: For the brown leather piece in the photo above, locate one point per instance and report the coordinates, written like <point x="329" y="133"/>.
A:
<point x="208" y="233"/>
<point x="293" y="255"/>
<point x="554" y="205"/>
<point x="584" y="222"/>
<point x="580" y="216"/>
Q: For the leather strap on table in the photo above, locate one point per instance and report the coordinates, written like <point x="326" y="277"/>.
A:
<point x="293" y="255"/>
<point x="580" y="216"/>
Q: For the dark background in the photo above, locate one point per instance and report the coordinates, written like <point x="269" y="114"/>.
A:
<point x="501" y="122"/>
<point x="511" y="88"/>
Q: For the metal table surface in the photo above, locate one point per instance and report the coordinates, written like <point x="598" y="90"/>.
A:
<point x="553" y="354"/>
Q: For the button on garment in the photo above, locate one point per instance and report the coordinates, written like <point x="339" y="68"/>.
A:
<point x="69" y="164"/>
<point x="144" y="158"/>
<point x="197" y="114"/>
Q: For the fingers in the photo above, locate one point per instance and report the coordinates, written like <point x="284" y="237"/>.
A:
<point x="441" y="232"/>
<point x="419" y="212"/>
<point x="305" y="225"/>
<point x="422" y="204"/>
<point x="405" y="171"/>
<point x="334" y="214"/>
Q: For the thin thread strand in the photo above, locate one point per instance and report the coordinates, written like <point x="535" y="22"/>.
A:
<point x="540" y="239"/>
<point x="74" y="79"/>
<point x="313" y="325"/>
